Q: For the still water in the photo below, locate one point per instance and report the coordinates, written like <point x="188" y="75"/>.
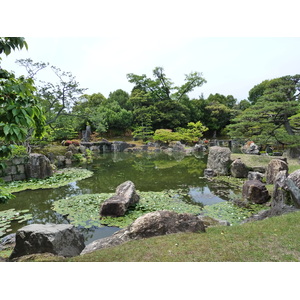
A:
<point x="149" y="172"/>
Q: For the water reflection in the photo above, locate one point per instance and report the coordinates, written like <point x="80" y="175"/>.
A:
<point x="149" y="172"/>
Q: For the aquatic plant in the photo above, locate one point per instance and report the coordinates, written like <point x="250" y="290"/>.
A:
<point x="83" y="210"/>
<point x="60" y="178"/>
<point x="7" y="216"/>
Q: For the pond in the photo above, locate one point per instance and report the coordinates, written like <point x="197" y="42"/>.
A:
<point x="150" y="172"/>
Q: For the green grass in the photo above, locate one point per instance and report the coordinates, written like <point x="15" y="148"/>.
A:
<point x="263" y="160"/>
<point x="272" y="240"/>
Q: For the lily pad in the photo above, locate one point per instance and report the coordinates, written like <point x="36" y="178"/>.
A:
<point x="60" y="178"/>
<point x="7" y="216"/>
<point x="83" y="210"/>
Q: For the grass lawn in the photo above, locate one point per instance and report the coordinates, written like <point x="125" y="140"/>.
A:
<point x="272" y="240"/>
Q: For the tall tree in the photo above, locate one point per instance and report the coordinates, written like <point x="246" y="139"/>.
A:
<point x="162" y="88"/>
<point x="272" y="117"/>
<point x="59" y="97"/>
<point x="160" y="100"/>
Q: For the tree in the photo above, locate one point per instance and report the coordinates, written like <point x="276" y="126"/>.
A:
<point x="20" y="113"/>
<point x="160" y="99"/>
<point x="273" y="115"/>
<point x="121" y="97"/>
<point x="217" y="111"/>
<point x="57" y="99"/>
<point x="11" y="43"/>
<point x="111" y="116"/>
<point x="160" y="88"/>
<point x="191" y="134"/>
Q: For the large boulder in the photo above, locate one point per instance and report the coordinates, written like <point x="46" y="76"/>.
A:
<point x="59" y="239"/>
<point x="274" y="167"/>
<point x="118" y="204"/>
<point x="38" y="166"/>
<point x="238" y="169"/>
<point x="149" y="225"/>
<point x="219" y="160"/>
<point x="254" y="191"/>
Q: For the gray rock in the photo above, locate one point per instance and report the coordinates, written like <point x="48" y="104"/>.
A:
<point x="238" y="169"/>
<point x="177" y="146"/>
<point x="59" y="239"/>
<point x="255" y="176"/>
<point x="210" y="222"/>
<point x="273" y="168"/>
<point x="251" y="148"/>
<point x="293" y="185"/>
<point x="149" y="225"/>
<point x="38" y="166"/>
<point x="209" y="173"/>
<point x="8" y="241"/>
<point x="219" y="160"/>
<point x="118" y="204"/>
<point x="255" y="191"/>
<point x="200" y="148"/>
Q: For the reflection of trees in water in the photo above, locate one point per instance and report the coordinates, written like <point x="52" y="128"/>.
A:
<point x="150" y="171"/>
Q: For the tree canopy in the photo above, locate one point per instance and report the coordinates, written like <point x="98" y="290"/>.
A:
<point x="274" y="113"/>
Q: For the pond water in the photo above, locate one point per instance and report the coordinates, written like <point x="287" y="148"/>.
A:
<point x="149" y="172"/>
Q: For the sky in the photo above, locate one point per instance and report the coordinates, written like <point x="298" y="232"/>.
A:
<point x="235" y="46"/>
<point x="230" y="65"/>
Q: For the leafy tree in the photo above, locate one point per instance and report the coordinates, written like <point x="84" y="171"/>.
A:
<point x="160" y="88"/>
<point x="20" y="113"/>
<point x="218" y="111"/>
<point x="160" y="99"/>
<point x="191" y="134"/>
<point x="85" y="107"/>
<point x="12" y="43"/>
<point x="273" y="115"/>
<point x="111" y="116"/>
<point x="121" y="97"/>
<point x="57" y="98"/>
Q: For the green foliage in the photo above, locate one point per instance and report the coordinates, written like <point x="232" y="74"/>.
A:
<point x="12" y="43"/>
<point x="273" y="115"/>
<point x="166" y="135"/>
<point x="5" y="196"/>
<point x="230" y="212"/>
<point x="83" y="210"/>
<point x="60" y="178"/>
<point x="7" y="216"/>
<point x="20" y="113"/>
<point x="189" y="135"/>
<point x="193" y="132"/>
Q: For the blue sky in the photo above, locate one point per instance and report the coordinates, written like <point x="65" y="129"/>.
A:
<point x="231" y="65"/>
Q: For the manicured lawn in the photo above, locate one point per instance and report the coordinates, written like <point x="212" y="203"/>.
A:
<point x="272" y="240"/>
